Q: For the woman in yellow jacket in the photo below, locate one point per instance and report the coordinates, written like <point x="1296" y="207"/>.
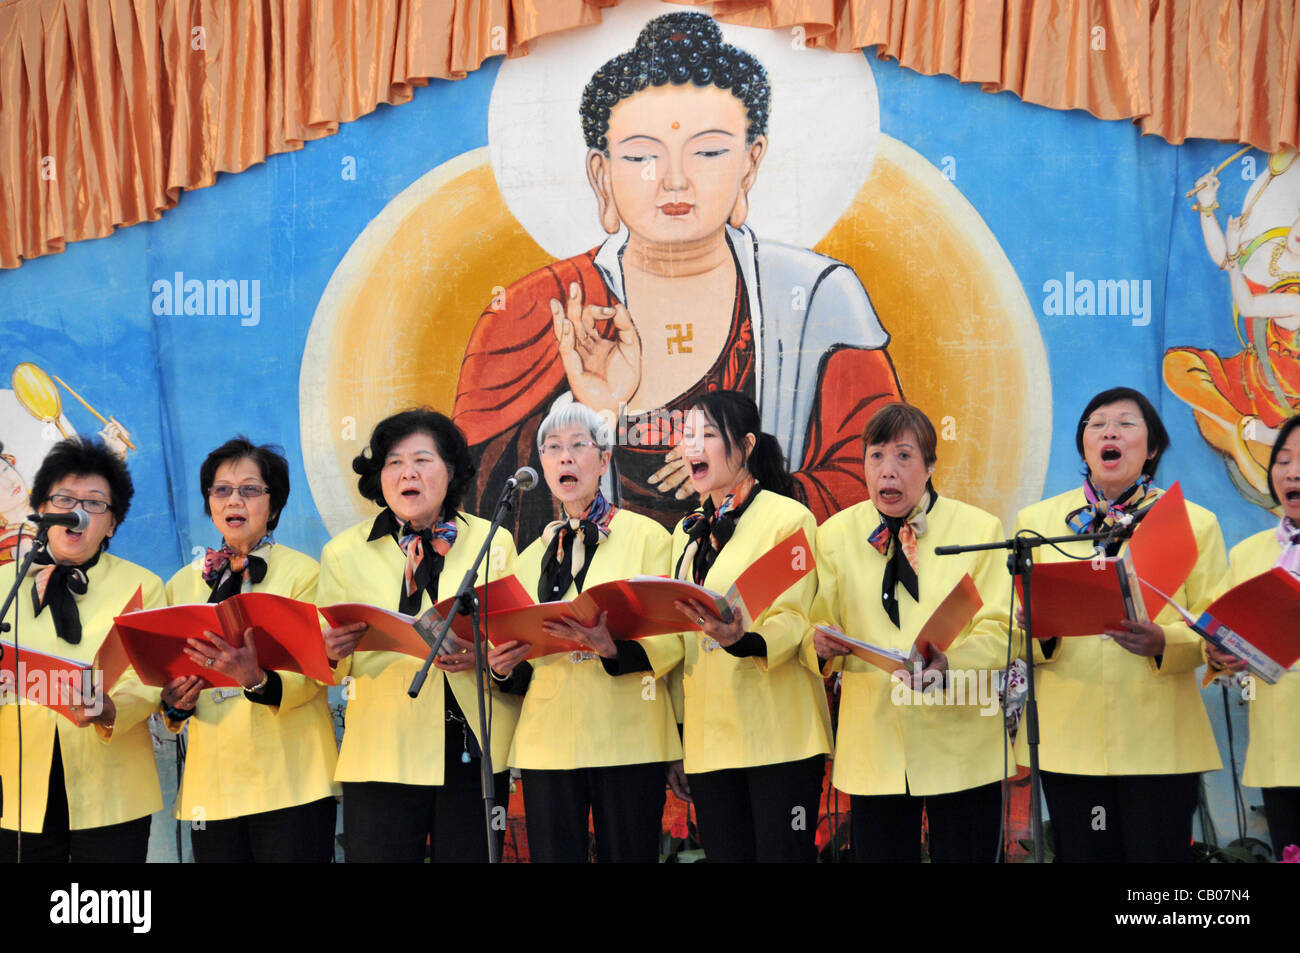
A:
<point x="757" y="728"/>
<point x="897" y="750"/>
<point x="89" y="788"/>
<point x="1273" y="756"/>
<point x="597" y="727"/>
<point x="410" y="766"/>
<point x="1124" y="734"/>
<point x="259" y="769"/>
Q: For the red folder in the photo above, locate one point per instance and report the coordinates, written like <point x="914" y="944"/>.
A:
<point x="109" y="664"/>
<point x="41" y="676"/>
<point x="390" y="631"/>
<point x="949" y="619"/>
<point x="761" y="584"/>
<point x="1088" y="596"/>
<point x="628" y="617"/>
<point x="286" y="632"/>
<point x="1258" y="621"/>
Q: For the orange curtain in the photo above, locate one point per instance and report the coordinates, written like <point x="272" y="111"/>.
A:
<point x="109" y="108"/>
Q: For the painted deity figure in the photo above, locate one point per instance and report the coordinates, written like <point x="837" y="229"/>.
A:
<point x="1240" y="401"/>
<point x="681" y="299"/>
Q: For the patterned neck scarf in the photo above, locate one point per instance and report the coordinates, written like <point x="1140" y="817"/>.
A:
<point x="581" y="535"/>
<point x="59" y="588"/>
<point x="1129" y="507"/>
<point x="901" y="556"/>
<point x="1288" y="534"/>
<point x="424" y="551"/>
<point x="708" y="531"/>
<point x="227" y="572"/>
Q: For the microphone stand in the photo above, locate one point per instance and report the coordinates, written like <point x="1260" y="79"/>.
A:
<point x="1021" y="563"/>
<point x="434" y="630"/>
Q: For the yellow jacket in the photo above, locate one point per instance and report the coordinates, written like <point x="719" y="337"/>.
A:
<point x="889" y="740"/>
<point x="387" y="735"/>
<point x="1104" y="710"/>
<point x="576" y="715"/>
<point x="747" y="712"/>
<point x="111" y="776"/>
<point x="246" y="758"/>
<point x="1273" y="756"/>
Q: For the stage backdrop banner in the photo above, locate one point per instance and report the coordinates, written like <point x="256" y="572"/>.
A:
<point x="994" y="262"/>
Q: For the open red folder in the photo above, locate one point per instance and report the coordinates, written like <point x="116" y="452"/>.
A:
<point x="948" y="621"/>
<point x="285" y="631"/>
<point x="644" y="605"/>
<point x="1258" y="621"/>
<point x="43" y="688"/>
<point x="1088" y="596"/>
<point x="391" y="631"/>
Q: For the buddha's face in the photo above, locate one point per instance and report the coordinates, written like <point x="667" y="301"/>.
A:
<point x="678" y="167"/>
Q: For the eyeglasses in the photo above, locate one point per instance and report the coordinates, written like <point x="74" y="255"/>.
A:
<point x="248" y="491"/>
<point x="61" y="501"/>
<point x="554" y="448"/>
<point x="1099" y="424"/>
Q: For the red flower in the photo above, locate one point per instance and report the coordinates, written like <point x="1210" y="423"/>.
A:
<point x="1291" y="854"/>
<point x="679" y="830"/>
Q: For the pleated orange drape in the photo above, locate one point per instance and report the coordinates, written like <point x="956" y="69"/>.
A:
<point x="109" y="108"/>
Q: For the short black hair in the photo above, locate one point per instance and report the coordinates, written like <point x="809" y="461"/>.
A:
<point x="390" y="431"/>
<point x="1283" y="433"/>
<point x="82" y="456"/>
<point x="676" y="48"/>
<point x="1157" y="435"/>
<point x="270" y="461"/>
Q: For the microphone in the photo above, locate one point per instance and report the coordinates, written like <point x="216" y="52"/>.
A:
<point x="525" y="479"/>
<point x="78" y="521"/>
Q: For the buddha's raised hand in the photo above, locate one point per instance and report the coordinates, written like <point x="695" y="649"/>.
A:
<point x="603" y="373"/>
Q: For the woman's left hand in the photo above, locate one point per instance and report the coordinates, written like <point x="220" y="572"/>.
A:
<point x="1140" y="638"/>
<point x="457" y="655"/>
<point x="596" y="637"/>
<point x="724" y="633"/>
<point x="220" y="656"/>
<point x="98" y="709"/>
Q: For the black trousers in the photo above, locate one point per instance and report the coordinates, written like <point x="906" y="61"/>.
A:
<point x="302" y="834"/>
<point x="125" y="843"/>
<point x="766" y="814"/>
<point x="1132" y="818"/>
<point x="1282" y="808"/>
<point x="964" y="826"/>
<point x="626" y="803"/>
<point x="404" y="823"/>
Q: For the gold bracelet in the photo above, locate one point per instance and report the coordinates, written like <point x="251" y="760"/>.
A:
<point x="1205" y="209"/>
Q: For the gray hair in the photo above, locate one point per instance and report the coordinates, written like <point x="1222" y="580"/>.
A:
<point x="573" y="414"/>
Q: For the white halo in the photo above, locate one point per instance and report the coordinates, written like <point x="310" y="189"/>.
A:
<point x="823" y="131"/>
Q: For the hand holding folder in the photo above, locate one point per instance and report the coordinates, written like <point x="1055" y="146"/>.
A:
<point x="949" y="619"/>
<point x="646" y="605"/>
<point x="1257" y="621"/>
<point x="286" y="636"/>
<point x="390" y="631"/>
<point x="76" y="690"/>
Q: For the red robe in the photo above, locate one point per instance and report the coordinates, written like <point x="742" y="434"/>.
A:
<point x="512" y="373"/>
